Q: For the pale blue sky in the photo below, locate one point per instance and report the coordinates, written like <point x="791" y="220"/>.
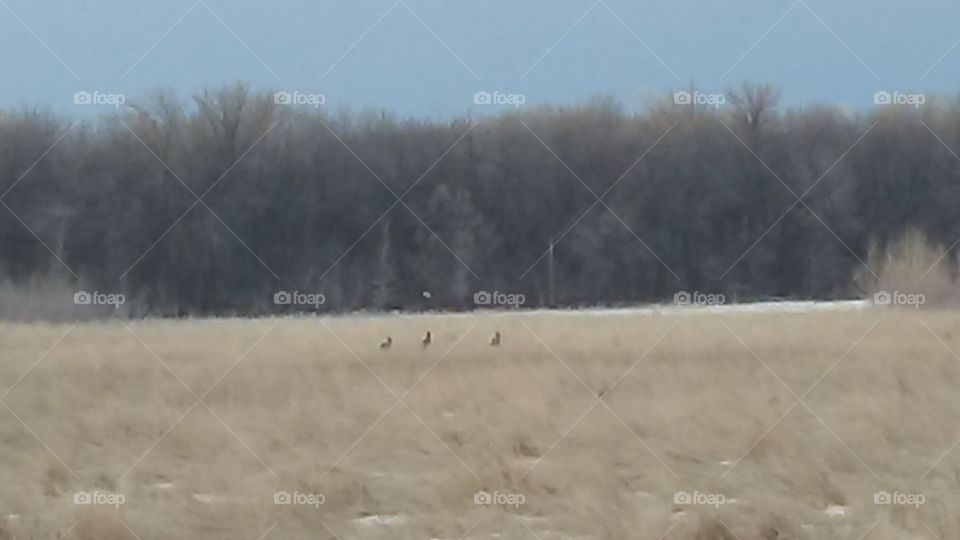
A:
<point x="428" y="57"/>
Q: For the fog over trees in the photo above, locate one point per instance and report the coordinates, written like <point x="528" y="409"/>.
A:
<point x="214" y="204"/>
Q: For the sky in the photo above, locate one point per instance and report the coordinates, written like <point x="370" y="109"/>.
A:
<point x="428" y="58"/>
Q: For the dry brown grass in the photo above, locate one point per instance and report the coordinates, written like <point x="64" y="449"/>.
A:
<point x="912" y="264"/>
<point x="295" y="410"/>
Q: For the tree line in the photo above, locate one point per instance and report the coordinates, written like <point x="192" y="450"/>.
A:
<point x="216" y="204"/>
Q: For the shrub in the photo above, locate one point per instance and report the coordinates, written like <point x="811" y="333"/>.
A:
<point x="910" y="266"/>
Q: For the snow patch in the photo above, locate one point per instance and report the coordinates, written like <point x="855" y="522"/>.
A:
<point x="208" y="498"/>
<point x="835" y="510"/>
<point x="376" y="519"/>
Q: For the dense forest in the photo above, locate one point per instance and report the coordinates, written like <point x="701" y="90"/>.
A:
<point x="212" y="205"/>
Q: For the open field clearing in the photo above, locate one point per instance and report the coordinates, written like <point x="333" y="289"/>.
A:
<point x="826" y="424"/>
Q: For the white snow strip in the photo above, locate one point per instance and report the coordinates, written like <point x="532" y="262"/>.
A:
<point x="791" y="306"/>
<point x="787" y="306"/>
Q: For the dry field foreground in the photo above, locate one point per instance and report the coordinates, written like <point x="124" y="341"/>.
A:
<point x="593" y="423"/>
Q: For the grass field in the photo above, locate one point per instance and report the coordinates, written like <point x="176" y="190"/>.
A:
<point x="592" y="427"/>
